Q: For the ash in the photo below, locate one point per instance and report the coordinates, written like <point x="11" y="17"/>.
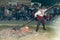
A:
<point x="9" y="32"/>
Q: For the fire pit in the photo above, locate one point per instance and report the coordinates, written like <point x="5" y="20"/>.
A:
<point x="9" y="32"/>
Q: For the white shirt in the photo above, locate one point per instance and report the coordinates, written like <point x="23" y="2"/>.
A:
<point x="7" y="11"/>
<point x="40" y="12"/>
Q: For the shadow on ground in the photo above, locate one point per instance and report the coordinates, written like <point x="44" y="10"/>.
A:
<point x="40" y="35"/>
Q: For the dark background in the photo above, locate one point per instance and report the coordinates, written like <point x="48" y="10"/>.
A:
<point x="47" y="2"/>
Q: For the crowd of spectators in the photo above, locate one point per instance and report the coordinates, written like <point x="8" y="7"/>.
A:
<point x="18" y="12"/>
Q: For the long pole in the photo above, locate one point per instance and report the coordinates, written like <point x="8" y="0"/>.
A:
<point x="44" y="12"/>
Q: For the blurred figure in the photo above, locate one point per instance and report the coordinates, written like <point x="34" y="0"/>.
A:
<point x="39" y="15"/>
<point x="6" y="14"/>
<point x="2" y="9"/>
<point x="48" y="17"/>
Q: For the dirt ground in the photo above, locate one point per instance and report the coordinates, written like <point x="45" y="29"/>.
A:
<point x="5" y="34"/>
<point x="52" y="33"/>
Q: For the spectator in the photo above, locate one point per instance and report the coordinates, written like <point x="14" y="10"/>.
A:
<point x="6" y="14"/>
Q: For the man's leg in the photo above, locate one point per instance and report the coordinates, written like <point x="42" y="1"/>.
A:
<point x="43" y="25"/>
<point x="38" y="23"/>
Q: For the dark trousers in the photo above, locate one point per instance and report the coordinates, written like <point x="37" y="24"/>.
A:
<point x="39" y="22"/>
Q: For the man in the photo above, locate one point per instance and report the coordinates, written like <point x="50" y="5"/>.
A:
<point x="40" y="18"/>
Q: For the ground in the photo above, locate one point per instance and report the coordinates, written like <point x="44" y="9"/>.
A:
<point x="52" y="32"/>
